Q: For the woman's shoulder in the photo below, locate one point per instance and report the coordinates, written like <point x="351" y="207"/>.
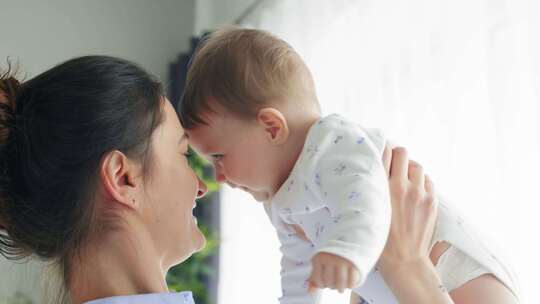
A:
<point x="185" y="297"/>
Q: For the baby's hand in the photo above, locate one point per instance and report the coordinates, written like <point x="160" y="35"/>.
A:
<point x="332" y="271"/>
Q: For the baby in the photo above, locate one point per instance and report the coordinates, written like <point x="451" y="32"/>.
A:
<point x="250" y="106"/>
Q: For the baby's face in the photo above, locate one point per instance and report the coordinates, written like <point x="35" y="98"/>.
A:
<point x="240" y="152"/>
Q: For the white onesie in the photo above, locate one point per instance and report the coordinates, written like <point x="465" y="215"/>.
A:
<point x="338" y="194"/>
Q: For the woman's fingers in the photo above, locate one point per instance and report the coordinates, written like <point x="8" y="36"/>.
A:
<point x="399" y="165"/>
<point x="387" y="159"/>
<point x="428" y="185"/>
<point x="416" y="174"/>
<point x="430" y="192"/>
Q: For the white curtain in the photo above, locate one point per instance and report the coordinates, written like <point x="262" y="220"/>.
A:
<point x="456" y="82"/>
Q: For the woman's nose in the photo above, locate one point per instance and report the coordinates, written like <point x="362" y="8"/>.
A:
<point x="202" y="188"/>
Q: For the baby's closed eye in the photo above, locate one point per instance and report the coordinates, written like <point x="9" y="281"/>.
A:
<point x="216" y="157"/>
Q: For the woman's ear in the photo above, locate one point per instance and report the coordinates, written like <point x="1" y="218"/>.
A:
<point x="274" y="124"/>
<point x="117" y="175"/>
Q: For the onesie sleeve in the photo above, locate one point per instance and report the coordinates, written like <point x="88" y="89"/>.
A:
<point x="295" y="262"/>
<point x="349" y="177"/>
<point x="294" y="279"/>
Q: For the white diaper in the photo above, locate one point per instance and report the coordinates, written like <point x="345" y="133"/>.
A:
<point x="456" y="268"/>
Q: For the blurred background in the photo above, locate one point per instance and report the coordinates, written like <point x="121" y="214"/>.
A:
<point x="456" y="82"/>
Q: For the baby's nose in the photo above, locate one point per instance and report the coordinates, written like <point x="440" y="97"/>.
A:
<point x="220" y="177"/>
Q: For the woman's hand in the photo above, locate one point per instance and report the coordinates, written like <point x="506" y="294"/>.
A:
<point x="405" y="264"/>
<point x="414" y="212"/>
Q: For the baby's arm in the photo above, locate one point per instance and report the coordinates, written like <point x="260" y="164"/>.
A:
<point x="294" y="272"/>
<point x="351" y="181"/>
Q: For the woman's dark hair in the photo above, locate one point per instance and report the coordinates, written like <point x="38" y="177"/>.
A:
<point x="54" y="131"/>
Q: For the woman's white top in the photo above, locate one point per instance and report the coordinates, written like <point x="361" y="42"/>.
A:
<point x="155" y="298"/>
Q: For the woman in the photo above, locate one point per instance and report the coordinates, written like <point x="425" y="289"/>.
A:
<point x="94" y="177"/>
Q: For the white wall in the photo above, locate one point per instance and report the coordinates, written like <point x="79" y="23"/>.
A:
<point x="39" y="34"/>
<point x="43" y="33"/>
<point x="210" y="14"/>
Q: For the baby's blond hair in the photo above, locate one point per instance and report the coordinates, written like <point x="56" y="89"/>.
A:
<point x="244" y="70"/>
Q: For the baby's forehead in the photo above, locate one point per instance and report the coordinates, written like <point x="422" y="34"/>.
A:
<point x="211" y="117"/>
<point x="202" y="137"/>
<point x="211" y="124"/>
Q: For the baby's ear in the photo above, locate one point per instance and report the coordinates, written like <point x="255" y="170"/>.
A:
<point x="274" y="124"/>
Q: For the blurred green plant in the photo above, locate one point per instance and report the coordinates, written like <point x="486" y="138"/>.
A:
<point x="192" y="274"/>
<point x="204" y="170"/>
